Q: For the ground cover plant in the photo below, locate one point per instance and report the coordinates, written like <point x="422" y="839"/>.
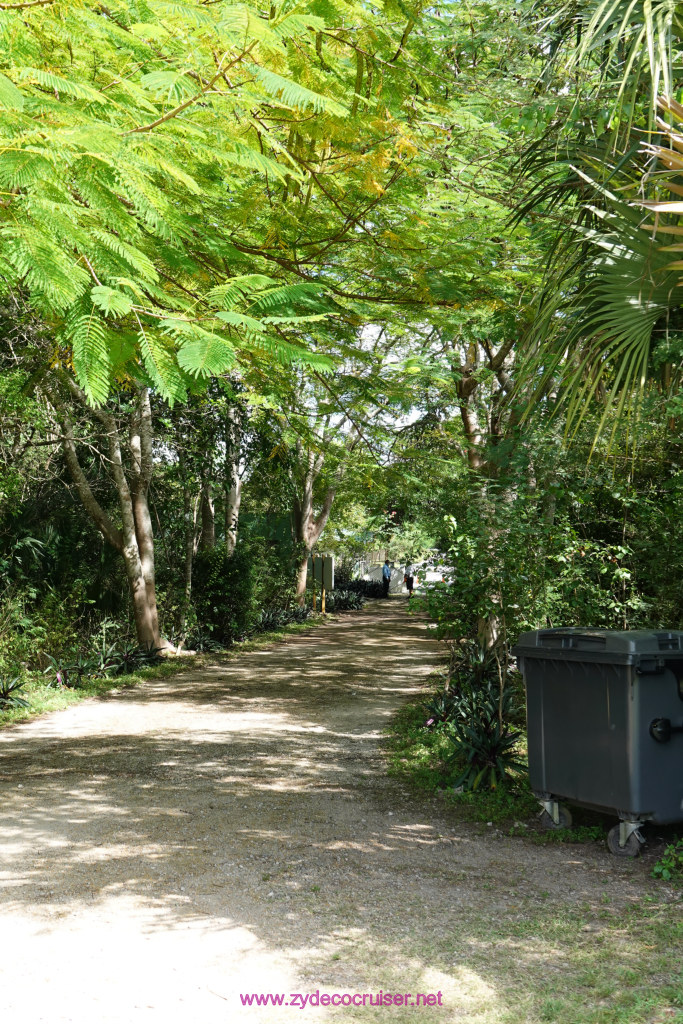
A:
<point x="669" y="867"/>
<point x="428" y="754"/>
<point x="36" y="692"/>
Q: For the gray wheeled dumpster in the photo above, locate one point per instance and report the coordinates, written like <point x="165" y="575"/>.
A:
<point x="605" y="725"/>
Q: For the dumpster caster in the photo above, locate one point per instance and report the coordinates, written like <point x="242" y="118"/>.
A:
<point x="555" y="815"/>
<point x="625" y="840"/>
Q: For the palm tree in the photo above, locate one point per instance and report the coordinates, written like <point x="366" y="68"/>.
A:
<point x="611" y="288"/>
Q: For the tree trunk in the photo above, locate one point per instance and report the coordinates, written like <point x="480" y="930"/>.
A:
<point x="233" y="500"/>
<point x="301" y="579"/>
<point x="135" y="540"/>
<point x="188" y="529"/>
<point x="145" y="545"/>
<point x="234" y="427"/>
<point x="144" y="612"/>
<point x="208" y="515"/>
<point x="308" y="528"/>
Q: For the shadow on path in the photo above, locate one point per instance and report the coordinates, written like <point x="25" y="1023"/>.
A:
<point x="235" y="830"/>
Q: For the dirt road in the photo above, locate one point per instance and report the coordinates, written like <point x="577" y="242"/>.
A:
<point x="173" y="848"/>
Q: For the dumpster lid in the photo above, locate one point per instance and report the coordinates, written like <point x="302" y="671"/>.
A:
<point x="604" y="644"/>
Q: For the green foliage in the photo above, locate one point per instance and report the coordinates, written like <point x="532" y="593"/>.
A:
<point x="224" y="591"/>
<point x="203" y="640"/>
<point x="511" y="801"/>
<point x="271" y="557"/>
<point x="10" y="693"/>
<point x="368" y="589"/>
<point x="440" y="707"/>
<point x="611" y="288"/>
<point x="549" y="837"/>
<point x="669" y="867"/>
<point x="71" y="672"/>
<point x="145" y="174"/>
<point x="344" y="601"/>
<point x="485" y="745"/>
<point x="126" y="660"/>
<point x="74" y="669"/>
<point x="418" y="755"/>
<point x="273" y="619"/>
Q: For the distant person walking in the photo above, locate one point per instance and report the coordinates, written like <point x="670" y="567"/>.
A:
<point x="386" y="578"/>
<point x="409" y="580"/>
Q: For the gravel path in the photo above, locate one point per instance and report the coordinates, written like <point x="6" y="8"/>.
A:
<point x="170" y="847"/>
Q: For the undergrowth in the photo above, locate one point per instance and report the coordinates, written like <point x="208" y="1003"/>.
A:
<point x="669" y="867"/>
<point x="42" y="695"/>
<point x="422" y="757"/>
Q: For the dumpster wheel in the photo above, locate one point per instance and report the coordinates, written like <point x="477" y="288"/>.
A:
<point x="564" y="818"/>
<point x="631" y="847"/>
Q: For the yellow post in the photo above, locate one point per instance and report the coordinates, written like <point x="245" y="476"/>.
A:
<point x="322" y="600"/>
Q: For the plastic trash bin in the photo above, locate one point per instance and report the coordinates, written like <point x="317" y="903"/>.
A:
<point x="605" y="725"/>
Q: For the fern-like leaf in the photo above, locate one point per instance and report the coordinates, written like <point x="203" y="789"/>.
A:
<point x="87" y="337"/>
<point x="291" y="94"/>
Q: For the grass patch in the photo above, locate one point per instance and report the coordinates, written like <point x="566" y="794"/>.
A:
<point x="500" y="806"/>
<point x="416" y="753"/>
<point x="520" y="960"/>
<point x="548" y="837"/>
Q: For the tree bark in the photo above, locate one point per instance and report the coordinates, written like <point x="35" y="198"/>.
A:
<point x="135" y="539"/>
<point x="307" y="525"/>
<point x="233" y="436"/>
<point x="141" y="451"/>
<point x="482" y="432"/>
<point x="188" y="529"/>
<point x="233" y="500"/>
<point x="301" y="578"/>
<point x="208" y="513"/>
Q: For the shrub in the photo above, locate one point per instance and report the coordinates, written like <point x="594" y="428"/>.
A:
<point x="9" y="694"/>
<point x="71" y="670"/>
<point x="203" y="640"/>
<point x="483" y="740"/>
<point x="440" y="708"/>
<point x="74" y="668"/>
<point x="343" y="575"/>
<point x="670" y="865"/>
<point x="367" y="588"/>
<point x="298" y="614"/>
<point x="224" y="592"/>
<point x="271" y="619"/>
<point x="131" y="658"/>
<point x="344" y="601"/>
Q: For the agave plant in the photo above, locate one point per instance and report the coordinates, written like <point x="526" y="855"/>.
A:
<point x="203" y="640"/>
<point x="439" y="708"/>
<point x="9" y="694"/>
<point x="484" y="743"/>
<point x="344" y="601"/>
<point x="298" y="614"/>
<point x="70" y="672"/>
